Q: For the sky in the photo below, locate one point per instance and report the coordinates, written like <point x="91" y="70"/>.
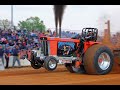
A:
<point x="75" y="17"/>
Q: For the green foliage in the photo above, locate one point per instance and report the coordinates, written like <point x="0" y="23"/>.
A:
<point x="32" y="23"/>
<point x="5" y="24"/>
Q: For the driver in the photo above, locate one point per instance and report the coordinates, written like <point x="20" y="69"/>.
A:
<point x="90" y="35"/>
<point x="66" y="50"/>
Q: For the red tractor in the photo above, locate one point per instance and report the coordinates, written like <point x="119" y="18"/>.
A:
<point x="79" y="55"/>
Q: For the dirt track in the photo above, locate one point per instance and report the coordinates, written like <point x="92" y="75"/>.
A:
<point x="30" y="76"/>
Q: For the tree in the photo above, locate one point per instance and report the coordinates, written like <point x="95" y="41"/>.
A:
<point x="5" y="24"/>
<point x="32" y="23"/>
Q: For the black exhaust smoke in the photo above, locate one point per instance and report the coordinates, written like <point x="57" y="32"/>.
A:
<point x="59" y="11"/>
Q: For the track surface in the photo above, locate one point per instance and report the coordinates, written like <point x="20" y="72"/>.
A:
<point x="30" y="76"/>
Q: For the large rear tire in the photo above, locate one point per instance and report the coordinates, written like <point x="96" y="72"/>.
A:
<point x="73" y="69"/>
<point x="98" y="59"/>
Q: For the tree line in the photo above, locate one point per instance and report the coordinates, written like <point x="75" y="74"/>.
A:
<point x="31" y="23"/>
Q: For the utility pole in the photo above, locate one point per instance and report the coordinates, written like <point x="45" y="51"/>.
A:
<point x="12" y="17"/>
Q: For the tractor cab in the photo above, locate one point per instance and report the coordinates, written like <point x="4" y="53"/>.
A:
<point x="90" y="34"/>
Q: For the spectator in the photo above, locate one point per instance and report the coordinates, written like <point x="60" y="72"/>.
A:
<point x="24" y="44"/>
<point x="1" y="53"/>
<point x="41" y="34"/>
<point x="11" y="43"/>
<point x="54" y="34"/>
<point x="7" y="55"/>
<point x="15" y="52"/>
<point x="47" y="33"/>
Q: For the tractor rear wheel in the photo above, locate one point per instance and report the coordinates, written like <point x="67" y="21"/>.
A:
<point x="73" y="69"/>
<point x="98" y="59"/>
<point x="50" y="63"/>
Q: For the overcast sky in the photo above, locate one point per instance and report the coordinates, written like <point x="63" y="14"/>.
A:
<point x="75" y="17"/>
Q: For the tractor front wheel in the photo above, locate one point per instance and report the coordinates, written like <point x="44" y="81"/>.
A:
<point x="50" y="63"/>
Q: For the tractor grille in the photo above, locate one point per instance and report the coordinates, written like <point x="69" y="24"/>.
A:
<point x="44" y="46"/>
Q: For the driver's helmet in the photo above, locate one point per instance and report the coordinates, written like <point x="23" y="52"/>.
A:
<point x="90" y="33"/>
